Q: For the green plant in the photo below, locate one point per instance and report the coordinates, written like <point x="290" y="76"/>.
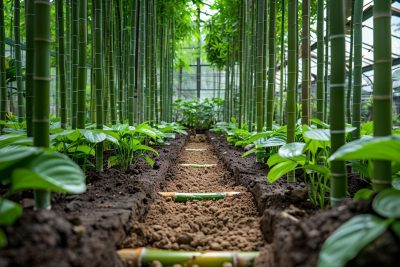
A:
<point x="131" y="145"/>
<point x="354" y="235"/>
<point x="34" y="168"/>
<point x="198" y="114"/>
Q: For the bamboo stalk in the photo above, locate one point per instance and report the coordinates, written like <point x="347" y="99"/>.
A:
<point x="291" y="90"/>
<point x="320" y="61"/>
<point x="337" y="104"/>
<point x="3" y="85"/>
<point x="41" y="79"/>
<point x="183" y="197"/>
<point x="144" y="257"/>
<point x="382" y="86"/>
<point x="358" y="16"/>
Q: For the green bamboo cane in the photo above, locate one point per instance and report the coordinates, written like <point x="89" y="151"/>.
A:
<point x="282" y="68"/>
<point x="61" y="63"/>
<point x="137" y="40"/>
<point x="131" y="67"/>
<point x="82" y="76"/>
<point x="337" y="93"/>
<point x="320" y="61"/>
<point x="358" y="16"/>
<point x="18" y="74"/>
<point x="98" y="65"/>
<point x="154" y="63"/>
<point x="41" y="79"/>
<point x="350" y="77"/>
<point x="326" y="77"/>
<point x="305" y="47"/>
<point x="260" y="64"/>
<point x="3" y="85"/>
<point x="111" y="66"/>
<point x="68" y="59"/>
<point x="291" y="90"/>
<point x="74" y="48"/>
<point x="241" y="60"/>
<point x="185" y="197"/>
<point x="146" y="256"/>
<point x="142" y="47"/>
<point x="265" y="61"/>
<point x="106" y="61"/>
<point x="29" y="26"/>
<point x="382" y="94"/>
<point x="272" y="65"/>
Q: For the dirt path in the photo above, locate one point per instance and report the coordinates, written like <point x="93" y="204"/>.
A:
<point x="227" y="224"/>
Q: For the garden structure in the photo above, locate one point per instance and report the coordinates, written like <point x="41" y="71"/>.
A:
<point x="199" y="133"/>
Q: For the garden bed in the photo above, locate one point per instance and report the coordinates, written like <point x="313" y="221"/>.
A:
<point x="86" y="229"/>
<point x="293" y="228"/>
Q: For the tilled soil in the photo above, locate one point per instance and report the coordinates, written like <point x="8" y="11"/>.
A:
<point x="228" y="224"/>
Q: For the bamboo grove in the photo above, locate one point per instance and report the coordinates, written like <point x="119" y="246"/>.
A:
<point x="126" y="48"/>
<point x="265" y="49"/>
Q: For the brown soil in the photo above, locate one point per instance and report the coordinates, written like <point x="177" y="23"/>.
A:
<point x="85" y="230"/>
<point x="228" y="224"/>
<point x="295" y="230"/>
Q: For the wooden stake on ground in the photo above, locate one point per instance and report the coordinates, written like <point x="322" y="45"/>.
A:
<point x="198" y="165"/>
<point x="183" y="197"/>
<point x="195" y="149"/>
<point x="144" y="257"/>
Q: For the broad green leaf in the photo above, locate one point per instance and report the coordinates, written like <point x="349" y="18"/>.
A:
<point x="291" y="150"/>
<point x="274" y="159"/>
<point x="50" y="171"/>
<point x="257" y="136"/>
<point x="350" y="129"/>
<point x="387" y="203"/>
<point x="318" y="169"/>
<point x="280" y="170"/>
<point x="318" y="134"/>
<point x="13" y="154"/>
<point x="3" y="239"/>
<point x="375" y="148"/>
<point x="94" y="136"/>
<point x="145" y="148"/>
<point x="9" y="212"/>
<point x="396" y="183"/>
<point x="271" y="142"/>
<point x="10" y="139"/>
<point x="146" y="131"/>
<point x="363" y="194"/>
<point x="347" y="241"/>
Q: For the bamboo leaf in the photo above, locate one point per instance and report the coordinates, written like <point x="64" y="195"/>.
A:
<point x="347" y="241"/>
<point x="318" y="169"/>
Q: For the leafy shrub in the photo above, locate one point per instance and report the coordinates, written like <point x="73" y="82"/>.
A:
<point x="196" y="114"/>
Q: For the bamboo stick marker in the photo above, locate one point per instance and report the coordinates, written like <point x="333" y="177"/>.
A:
<point x="144" y="257"/>
<point x="198" y="165"/>
<point x="183" y="197"/>
<point x="195" y="149"/>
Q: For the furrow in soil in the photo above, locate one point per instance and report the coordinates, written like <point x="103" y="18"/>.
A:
<point x="232" y="223"/>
